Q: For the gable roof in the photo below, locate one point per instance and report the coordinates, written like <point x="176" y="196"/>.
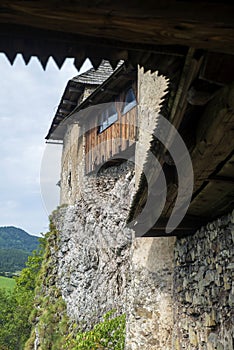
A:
<point x="72" y="96"/>
<point x="95" y="77"/>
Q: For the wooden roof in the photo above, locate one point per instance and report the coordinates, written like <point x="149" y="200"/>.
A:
<point x="134" y="30"/>
<point x="72" y="94"/>
<point x="95" y="76"/>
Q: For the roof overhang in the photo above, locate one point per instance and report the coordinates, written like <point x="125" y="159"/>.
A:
<point x="113" y="30"/>
<point x="205" y="120"/>
<point x="104" y="93"/>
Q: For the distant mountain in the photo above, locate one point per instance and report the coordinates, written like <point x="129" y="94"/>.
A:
<point x="15" y="247"/>
<point x="13" y="237"/>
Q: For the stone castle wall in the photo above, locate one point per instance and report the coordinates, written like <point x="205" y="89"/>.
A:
<point x="150" y="295"/>
<point x="177" y="293"/>
<point x="204" y="288"/>
<point x="181" y="295"/>
<point x="72" y="165"/>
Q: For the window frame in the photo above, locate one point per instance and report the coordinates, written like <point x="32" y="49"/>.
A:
<point x="127" y="106"/>
<point x="107" y="119"/>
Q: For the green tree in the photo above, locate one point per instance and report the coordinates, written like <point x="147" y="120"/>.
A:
<point x="7" y="308"/>
<point x="15" y="307"/>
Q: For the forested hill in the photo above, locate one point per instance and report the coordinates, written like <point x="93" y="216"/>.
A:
<point x="15" y="247"/>
<point x="13" y="237"/>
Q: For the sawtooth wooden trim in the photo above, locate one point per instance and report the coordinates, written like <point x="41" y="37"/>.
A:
<point x="152" y="23"/>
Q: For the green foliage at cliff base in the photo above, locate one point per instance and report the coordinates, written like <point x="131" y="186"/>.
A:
<point x="108" y="334"/>
<point x="16" y="305"/>
<point x="50" y="319"/>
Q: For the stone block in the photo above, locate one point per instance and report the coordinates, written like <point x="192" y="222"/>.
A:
<point x="212" y="341"/>
<point x="210" y="319"/>
<point x="193" y="337"/>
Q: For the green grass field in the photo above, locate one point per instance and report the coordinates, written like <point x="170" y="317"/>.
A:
<point x="7" y="283"/>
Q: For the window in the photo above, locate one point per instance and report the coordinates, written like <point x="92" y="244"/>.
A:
<point x="130" y="101"/>
<point x="109" y="117"/>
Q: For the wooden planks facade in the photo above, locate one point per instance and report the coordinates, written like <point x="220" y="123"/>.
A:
<point x="112" y="143"/>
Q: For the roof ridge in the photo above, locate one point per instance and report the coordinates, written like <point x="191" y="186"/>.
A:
<point x="95" y="76"/>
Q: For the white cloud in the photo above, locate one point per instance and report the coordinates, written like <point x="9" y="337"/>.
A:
<point x="29" y="98"/>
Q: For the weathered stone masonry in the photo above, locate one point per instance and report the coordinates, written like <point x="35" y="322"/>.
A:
<point x="204" y="288"/>
<point x="182" y="291"/>
<point x="150" y="295"/>
<point x="177" y="292"/>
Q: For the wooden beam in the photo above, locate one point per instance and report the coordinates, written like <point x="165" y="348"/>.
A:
<point x="189" y="73"/>
<point x="190" y="70"/>
<point x="219" y="179"/>
<point x="188" y="226"/>
<point x="214" y="135"/>
<point x="70" y="103"/>
<point x="27" y="39"/>
<point x="214" y="200"/>
<point x="63" y="110"/>
<point x="218" y="68"/>
<point x="215" y="141"/>
<point x="201" y="24"/>
<point x="75" y="89"/>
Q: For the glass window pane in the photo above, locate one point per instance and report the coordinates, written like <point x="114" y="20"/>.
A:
<point x="130" y="101"/>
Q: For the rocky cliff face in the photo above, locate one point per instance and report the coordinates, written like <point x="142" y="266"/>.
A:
<point x="177" y="292"/>
<point x="93" y="246"/>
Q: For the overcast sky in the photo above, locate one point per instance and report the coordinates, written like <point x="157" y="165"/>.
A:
<point x="29" y="98"/>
